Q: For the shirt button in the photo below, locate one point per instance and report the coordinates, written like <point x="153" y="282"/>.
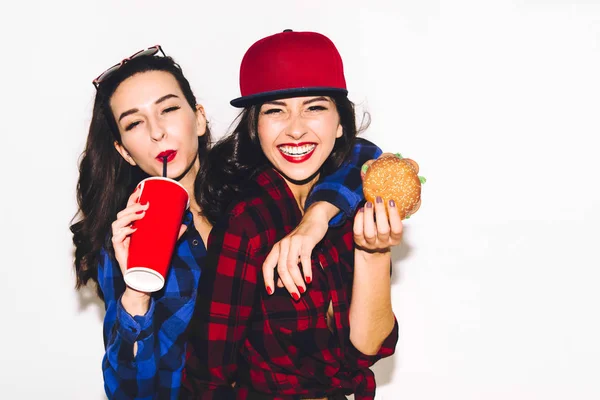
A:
<point x="195" y="242"/>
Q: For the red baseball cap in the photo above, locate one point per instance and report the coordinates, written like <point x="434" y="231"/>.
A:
<point x="290" y="64"/>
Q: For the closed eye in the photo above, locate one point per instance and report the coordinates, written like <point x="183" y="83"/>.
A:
<point x="170" y="109"/>
<point x="272" y="111"/>
<point x="132" y="125"/>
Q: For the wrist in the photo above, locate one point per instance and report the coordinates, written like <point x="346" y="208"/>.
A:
<point x="373" y="255"/>
<point x="322" y="211"/>
<point x="135" y="302"/>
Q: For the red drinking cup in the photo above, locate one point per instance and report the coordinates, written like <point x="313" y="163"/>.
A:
<point x="151" y="245"/>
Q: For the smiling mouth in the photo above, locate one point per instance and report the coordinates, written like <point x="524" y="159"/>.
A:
<point x="296" y="151"/>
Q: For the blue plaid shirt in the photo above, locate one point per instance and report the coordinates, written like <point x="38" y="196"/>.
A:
<point x="156" y="370"/>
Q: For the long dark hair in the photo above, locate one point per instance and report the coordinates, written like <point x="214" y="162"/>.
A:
<point x="238" y="157"/>
<point x="105" y="179"/>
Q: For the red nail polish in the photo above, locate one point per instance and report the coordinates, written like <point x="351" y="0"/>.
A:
<point x="269" y="290"/>
<point x="137" y="200"/>
<point x="139" y="212"/>
<point x="308" y="279"/>
<point x="295" y="296"/>
<point x="301" y="289"/>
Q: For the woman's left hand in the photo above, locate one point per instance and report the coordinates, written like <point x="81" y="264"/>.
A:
<point x="294" y="249"/>
<point x="374" y="231"/>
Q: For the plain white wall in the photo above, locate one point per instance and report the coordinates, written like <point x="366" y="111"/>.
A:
<point x="496" y="284"/>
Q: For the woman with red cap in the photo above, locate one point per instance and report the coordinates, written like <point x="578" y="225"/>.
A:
<point x="256" y="342"/>
<point x="144" y="107"/>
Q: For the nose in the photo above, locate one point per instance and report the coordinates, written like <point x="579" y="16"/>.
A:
<point x="157" y="131"/>
<point x="296" y="128"/>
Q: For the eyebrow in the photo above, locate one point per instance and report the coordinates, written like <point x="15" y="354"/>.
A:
<point x="313" y="100"/>
<point x="166" y="97"/>
<point x="134" y="110"/>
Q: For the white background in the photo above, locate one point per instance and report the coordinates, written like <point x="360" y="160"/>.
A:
<point x="496" y="284"/>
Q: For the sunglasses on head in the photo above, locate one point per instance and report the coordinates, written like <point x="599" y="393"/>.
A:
<point x="150" y="51"/>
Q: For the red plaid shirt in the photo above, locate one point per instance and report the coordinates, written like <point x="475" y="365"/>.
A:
<point x="273" y="345"/>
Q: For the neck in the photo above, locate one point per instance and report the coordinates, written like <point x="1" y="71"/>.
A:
<point x="301" y="191"/>
<point x="188" y="182"/>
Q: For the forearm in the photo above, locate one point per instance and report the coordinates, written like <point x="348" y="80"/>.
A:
<point x="135" y="303"/>
<point x="131" y="320"/>
<point x="156" y="368"/>
<point x="343" y="188"/>
<point x="371" y="316"/>
<point x="128" y="374"/>
<point x="321" y="211"/>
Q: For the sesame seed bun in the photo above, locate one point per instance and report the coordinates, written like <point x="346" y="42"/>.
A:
<point x="394" y="178"/>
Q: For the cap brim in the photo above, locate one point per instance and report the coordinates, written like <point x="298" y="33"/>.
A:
<point x="258" y="98"/>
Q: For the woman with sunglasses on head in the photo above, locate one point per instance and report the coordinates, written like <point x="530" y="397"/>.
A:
<point x="248" y="341"/>
<point x="144" y="108"/>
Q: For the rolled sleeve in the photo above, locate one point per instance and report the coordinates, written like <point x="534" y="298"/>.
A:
<point x="361" y="360"/>
<point x="135" y="328"/>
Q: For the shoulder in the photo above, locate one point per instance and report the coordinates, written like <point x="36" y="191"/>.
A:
<point x="259" y="212"/>
<point x="265" y="196"/>
<point x="365" y="150"/>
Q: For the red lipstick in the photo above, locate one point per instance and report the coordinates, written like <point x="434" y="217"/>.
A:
<point x="297" y="152"/>
<point x="170" y="154"/>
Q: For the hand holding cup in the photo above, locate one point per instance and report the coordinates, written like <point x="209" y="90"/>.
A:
<point x="122" y="228"/>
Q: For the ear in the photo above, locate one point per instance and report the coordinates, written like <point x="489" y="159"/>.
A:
<point x="124" y="153"/>
<point x="340" y="131"/>
<point x="200" y="120"/>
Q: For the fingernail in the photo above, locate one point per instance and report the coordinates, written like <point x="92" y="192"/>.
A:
<point x="137" y="200"/>
<point x="295" y="296"/>
<point x="362" y="209"/>
<point x="300" y="289"/>
<point x="392" y="203"/>
<point x="136" y="188"/>
<point x="269" y="290"/>
<point x="308" y="279"/>
<point x="139" y="212"/>
<point x="378" y="199"/>
<point x="369" y="204"/>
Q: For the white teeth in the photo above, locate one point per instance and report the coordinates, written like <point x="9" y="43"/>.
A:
<point x="297" y="150"/>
